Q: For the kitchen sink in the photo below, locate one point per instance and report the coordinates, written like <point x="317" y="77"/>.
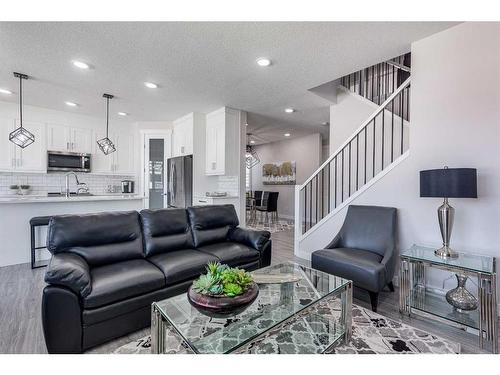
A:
<point x="72" y="194"/>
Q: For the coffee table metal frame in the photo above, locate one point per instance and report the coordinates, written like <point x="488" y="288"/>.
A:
<point x="160" y="323"/>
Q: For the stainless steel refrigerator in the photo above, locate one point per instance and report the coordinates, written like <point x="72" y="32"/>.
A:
<point x="180" y="182"/>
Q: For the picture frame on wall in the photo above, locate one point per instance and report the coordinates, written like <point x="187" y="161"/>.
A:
<point x="279" y="173"/>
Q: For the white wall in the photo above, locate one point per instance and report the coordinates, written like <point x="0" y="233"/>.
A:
<point x="305" y="151"/>
<point x="455" y="109"/>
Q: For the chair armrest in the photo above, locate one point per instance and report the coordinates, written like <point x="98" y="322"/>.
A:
<point x="334" y="243"/>
<point x="253" y="238"/>
<point x="71" y="271"/>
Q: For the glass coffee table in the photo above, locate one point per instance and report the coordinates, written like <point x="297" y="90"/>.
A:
<point x="309" y="315"/>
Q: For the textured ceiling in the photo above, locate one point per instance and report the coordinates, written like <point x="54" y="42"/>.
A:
<point x="198" y="66"/>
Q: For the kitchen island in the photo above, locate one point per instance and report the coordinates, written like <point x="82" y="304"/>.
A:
<point x="16" y="212"/>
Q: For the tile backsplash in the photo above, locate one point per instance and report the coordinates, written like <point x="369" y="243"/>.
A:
<point x="229" y="184"/>
<point x="43" y="183"/>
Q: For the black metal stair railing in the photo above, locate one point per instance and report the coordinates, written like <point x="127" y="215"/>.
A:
<point x="376" y="83"/>
<point x="379" y="141"/>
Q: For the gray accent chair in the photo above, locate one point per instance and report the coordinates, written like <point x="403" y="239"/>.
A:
<point x="364" y="250"/>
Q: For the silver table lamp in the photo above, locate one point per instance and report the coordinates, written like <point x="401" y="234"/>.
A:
<point x="448" y="183"/>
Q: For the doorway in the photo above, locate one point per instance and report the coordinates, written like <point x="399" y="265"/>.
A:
<point x="157" y="149"/>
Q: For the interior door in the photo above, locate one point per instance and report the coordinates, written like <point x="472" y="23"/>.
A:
<point x="157" y="150"/>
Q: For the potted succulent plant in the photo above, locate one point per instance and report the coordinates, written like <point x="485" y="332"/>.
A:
<point x="222" y="291"/>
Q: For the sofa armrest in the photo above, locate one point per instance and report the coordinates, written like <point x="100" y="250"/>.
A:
<point x="70" y="271"/>
<point x="252" y="238"/>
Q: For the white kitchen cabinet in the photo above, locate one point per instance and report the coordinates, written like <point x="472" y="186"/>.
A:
<point x="182" y="136"/>
<point x="65" y="138"/>
<point x="124" y="155"/>
<point x="7" y="151"/>
<point x="13" y="158"/>
<point x="222" y="138"/>
<point x="119" y="162"/>
<point x="99" y="162"/>
<point x="34" y="157"/>
<point x="81" y="140"/>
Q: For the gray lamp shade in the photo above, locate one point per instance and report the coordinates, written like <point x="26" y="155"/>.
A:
<point x="449" y="183"/>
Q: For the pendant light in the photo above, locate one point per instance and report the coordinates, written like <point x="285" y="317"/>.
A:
<point x="107" y="147"/>
<point x="251" y="156"/>
<point x="21" y="136"/>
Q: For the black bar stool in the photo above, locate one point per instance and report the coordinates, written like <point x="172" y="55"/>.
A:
<point x="37" y="221"/>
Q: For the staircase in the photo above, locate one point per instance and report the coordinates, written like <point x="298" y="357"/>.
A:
<point x="377" y="146"/>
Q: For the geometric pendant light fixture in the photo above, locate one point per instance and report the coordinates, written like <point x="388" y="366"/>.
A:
<point x="21" y="136"/>
<point x="105" y="144"/>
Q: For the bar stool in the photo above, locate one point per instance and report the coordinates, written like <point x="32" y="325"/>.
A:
<point x="37" y="221"/>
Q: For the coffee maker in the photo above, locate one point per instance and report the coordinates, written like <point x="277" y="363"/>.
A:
<point x="127" y="186"/>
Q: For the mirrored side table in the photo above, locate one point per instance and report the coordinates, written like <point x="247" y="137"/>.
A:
<point x="416" y="297"/>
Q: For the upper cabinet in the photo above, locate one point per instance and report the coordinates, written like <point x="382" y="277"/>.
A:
<point x="32" y="158"/>
<point x="222" y="142"/>
<point x="182" y="136"/>
<point x="65" y="138"/>
<point x="119" y="162"/>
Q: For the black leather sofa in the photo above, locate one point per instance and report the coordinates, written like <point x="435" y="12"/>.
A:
<point x="107" y="268"/>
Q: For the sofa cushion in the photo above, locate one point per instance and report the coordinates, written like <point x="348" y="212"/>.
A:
<point x="100" y="238"/>
<point x="182" y="265"/>
<point x="211" y="224"/>
<point x="166" y="230"/>
<point x="361" y="266"/>
<point x="119" y="281"/>
<point x="231" y="253"/>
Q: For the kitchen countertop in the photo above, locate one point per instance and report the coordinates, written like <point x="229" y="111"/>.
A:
<point x="45" y="199"/>
<point x="223" y="197"/>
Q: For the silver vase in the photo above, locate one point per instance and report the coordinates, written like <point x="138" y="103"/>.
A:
<point x="460" y="298"/>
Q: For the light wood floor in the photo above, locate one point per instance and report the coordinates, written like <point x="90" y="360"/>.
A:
<point x="21" y="291"/>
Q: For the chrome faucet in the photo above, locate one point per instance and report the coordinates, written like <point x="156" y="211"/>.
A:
<point x="80" y="186"/>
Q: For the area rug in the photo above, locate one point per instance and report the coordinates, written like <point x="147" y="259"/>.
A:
<point x="372" y="333"/>
<point x="278" y="226"/>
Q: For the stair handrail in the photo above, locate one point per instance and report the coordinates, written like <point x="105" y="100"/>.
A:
<point x="363" y="125"/>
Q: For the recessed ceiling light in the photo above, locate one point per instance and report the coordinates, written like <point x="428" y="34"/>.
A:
<point x="246" y="124"/>
<point x="81" y="64"/>
<point x="5" y="91"/>
<point x="263" y="61"/>
<point x="71" y="104"/>
<point x="289" y="110"/>
<point x="325" y="123"/>
<point x="150" y="85"/>
<point x="252" y="142"/>
<point x="122" y="114"/>
<point x="286" y="134"/>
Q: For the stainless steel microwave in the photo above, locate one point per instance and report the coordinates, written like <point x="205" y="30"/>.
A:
<point x="67" y="161"/>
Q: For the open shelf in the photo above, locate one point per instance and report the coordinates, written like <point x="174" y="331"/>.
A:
<point x="436" y="304"/>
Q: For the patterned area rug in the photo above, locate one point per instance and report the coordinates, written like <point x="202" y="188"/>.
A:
<point x="372" y="334"/>
<point x="280" y="226"/>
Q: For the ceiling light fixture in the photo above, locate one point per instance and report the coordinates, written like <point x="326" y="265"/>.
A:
<point x="122" y="114"/>
<point x="107" y="147"/>
<point x="150" y="85"/>
<point x="5" y="91"/>
<point x="286" y="134"/>
<point x="325" y="123"/>
<point x="71" y="104"/>
<point x="251" y="156"/>
<point x="289" y="110"/>
<point x="21" y="136"/>
<point x="81" y="64"/>
<point x="263" y="61"/>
